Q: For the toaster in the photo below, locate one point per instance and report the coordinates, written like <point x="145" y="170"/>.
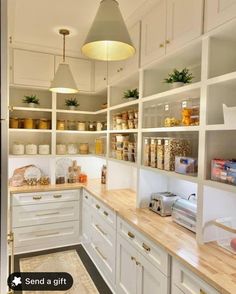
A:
<point x="184" y="213"/>
<point x="162" y="202"/>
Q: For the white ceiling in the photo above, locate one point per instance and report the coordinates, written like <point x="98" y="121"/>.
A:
<point x="36" y="22"/>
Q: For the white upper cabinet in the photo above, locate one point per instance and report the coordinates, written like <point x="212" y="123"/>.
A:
<point x="184" y="22"/>
<point x="218" y="12"/>
<point x="32" y="68"/>
<point x="81" y="70"/>
<point x="153" y="33"/>
<point x="100" y="75"/>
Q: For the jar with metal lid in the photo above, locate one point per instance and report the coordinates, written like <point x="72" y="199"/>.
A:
<point x="43" y="123"/>
<point x="71" y="125"/>
<point x="28" y="123"/>
<point x="18" y="149"/>
<point x="81" y="126"/>
<point x="14" y="122"/>
<point x="61" y="124"/>
<point x="61" y="149"/>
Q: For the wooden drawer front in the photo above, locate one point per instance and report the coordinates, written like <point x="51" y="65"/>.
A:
<point x="30" y="215"/>
<point x="106" y="213"/>
<point x="45" y="197"/>
<point x="46" y="234"/>
<point x="188" y="282"/>
<point x="87" y="197"/>
<point x="103" y="244"/>
<point x="156" y="255"/>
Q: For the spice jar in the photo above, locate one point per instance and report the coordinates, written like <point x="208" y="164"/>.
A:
<point x="31" y="149"/>
<point x="14" y="123"/>
<point x="83" y="148"/>
<point x="71" y="125"/>
<point x="61" y="125"/>
<point x="18" y="149"/>
<point x="43" y="123"/>
<point x="99" y="126"/>
<point x="28" y="123"/>
<point x="44" y="149"/>
<point x="61" y="149"/>
<point x="81" y="126"/>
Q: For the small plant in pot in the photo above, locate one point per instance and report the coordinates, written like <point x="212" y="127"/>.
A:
<point x="72" y="103"/>
<point x="131" y="94"/>
<point x="31" y="100"/>
<point x="179" y="78"/>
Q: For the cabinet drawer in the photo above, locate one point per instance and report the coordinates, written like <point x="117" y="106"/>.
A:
<point x="188" y="282"/>
<point x="43" y="236"/>
<point x="156" y="255"/>
<point x="30" y="215"/>
<point x="106" y="213"/>
<point x="45" y="197"/>
<point x="87" y="197"/>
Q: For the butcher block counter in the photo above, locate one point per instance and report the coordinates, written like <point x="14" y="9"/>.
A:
<point x="211" y="263"/>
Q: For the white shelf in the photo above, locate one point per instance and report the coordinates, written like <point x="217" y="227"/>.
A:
<point x="185" y="89"/>
<point x="123" y="131"/>
<point x="220" y="186"/>
<point x="229" y="77"/>
<point x="172" y="174"/>
<point x="125" y="104"/>
<point x="219" y="127"/>
<point x="81" y="112"/>
<point x="30" y="109"/>
<point x="171" y="129"/>
<point x="81" y="132"/>
<point x="134" y="164"/>
<point x="30" y="156"/>
<point x="29" y="131"/>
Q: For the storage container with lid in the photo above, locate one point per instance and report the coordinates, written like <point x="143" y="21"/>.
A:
<point x="146" y="152"/>
<point x="153" y="152"/>
<point x="31" y="149"/>
<point x="43" y="124"/>
<point x="44" y="149"/>
<point x="160" y="153"/>
<point x="14" y="122"/>
<point x="81" y="126"/>
<point x="18" y="149"/>
<point x="61" y="124"/>
<point x="28" y="123"/>
<point x="83" y="148"/>
<point x="71" y="125"/>
<point x="61" y="149"/>
<point x="72" y="149"/>
<point x="99" y="146"/>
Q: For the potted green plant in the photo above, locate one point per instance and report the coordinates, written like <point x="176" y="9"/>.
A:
<point x="179" y="78"/>
<point x="31" y="100"/>
<point x="131" y="94"/>
<point x="71" y="103"/>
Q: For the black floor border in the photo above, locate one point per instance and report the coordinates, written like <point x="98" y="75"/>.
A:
<point x="98" y="280"/>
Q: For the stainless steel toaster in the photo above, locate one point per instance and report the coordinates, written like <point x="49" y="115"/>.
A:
<point x="162" y="203"/>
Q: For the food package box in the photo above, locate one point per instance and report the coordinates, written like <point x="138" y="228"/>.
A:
<point x="186" y="165"/>
<point x="223" y="171"/>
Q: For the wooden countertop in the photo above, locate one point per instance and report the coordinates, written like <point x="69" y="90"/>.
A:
<point x="213" y="264"/>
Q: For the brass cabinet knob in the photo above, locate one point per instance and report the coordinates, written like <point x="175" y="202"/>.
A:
<point x="167" y="41"/>
<point x="131" y="235"/>
<point x="161" y="45"/>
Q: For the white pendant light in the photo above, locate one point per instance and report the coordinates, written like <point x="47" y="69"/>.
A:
<point x="63" y="81"/>
<point x="108" y="38"/>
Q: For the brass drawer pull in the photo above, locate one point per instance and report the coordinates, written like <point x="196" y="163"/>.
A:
<point x="147" y="248"/>
<point x="37" y="197"/>
<point x="49" y="213"/>
<point x="97" y="206"/>
<point x="131" y="235"/>
<point x="86" y="197"/>
<point x="202" y="292"/>
<point x="138" y="263"/>
<point x="133" y="258"/>
<point x="49" y="234"/>
<point x="57" y="196"/>
<point x="100" y="230"/>
<point x="105" y="213"/>
<point x="100" y="253"/>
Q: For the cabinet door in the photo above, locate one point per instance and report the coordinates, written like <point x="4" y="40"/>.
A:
<point x="101" y="68"/>
<point x="153" y="33"/>
<point x="126" y="274"/>
<point x="132" y="64"/>
<point x="32" y="68"/>
<point x="81" y="70"/>
<point x="150" y="279"/>
<point x="115" y="70"/>
<point x="86" y="224"/>
<point x="176" y="290"/>
<point x="184" y="22"/>
<point x="218" y="12"/>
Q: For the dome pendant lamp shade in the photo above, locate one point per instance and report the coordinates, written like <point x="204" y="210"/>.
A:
<point x="63" y="81"/>
<point x="108" y="38"/>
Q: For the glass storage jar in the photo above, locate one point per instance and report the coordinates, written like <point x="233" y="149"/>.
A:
<point x="71" y="125"/>
<point x="72" y="149"/>
<point x="81" y="126"/>
<point x="60" y="124"/>
<point x="31" y="149"/>
<point x="18" y="149"/>
<point x="99" y="146"/>
<point x="44" y="149"/>
<point x="61" y="149"/>
<point x="28" y="123"/>
<point x="91" y="126"/>
<point x="43" y="124"/>
<point x="83" y="148"/>
<point x="146" y="152"/>
<point x="14" y="122"/>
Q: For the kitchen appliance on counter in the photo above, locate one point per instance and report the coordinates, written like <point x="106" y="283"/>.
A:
<point x="184" y="213"/>
<point x="162" y="203"/>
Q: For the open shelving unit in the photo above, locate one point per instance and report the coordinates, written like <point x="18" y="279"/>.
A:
<point x="212" y="60"/>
